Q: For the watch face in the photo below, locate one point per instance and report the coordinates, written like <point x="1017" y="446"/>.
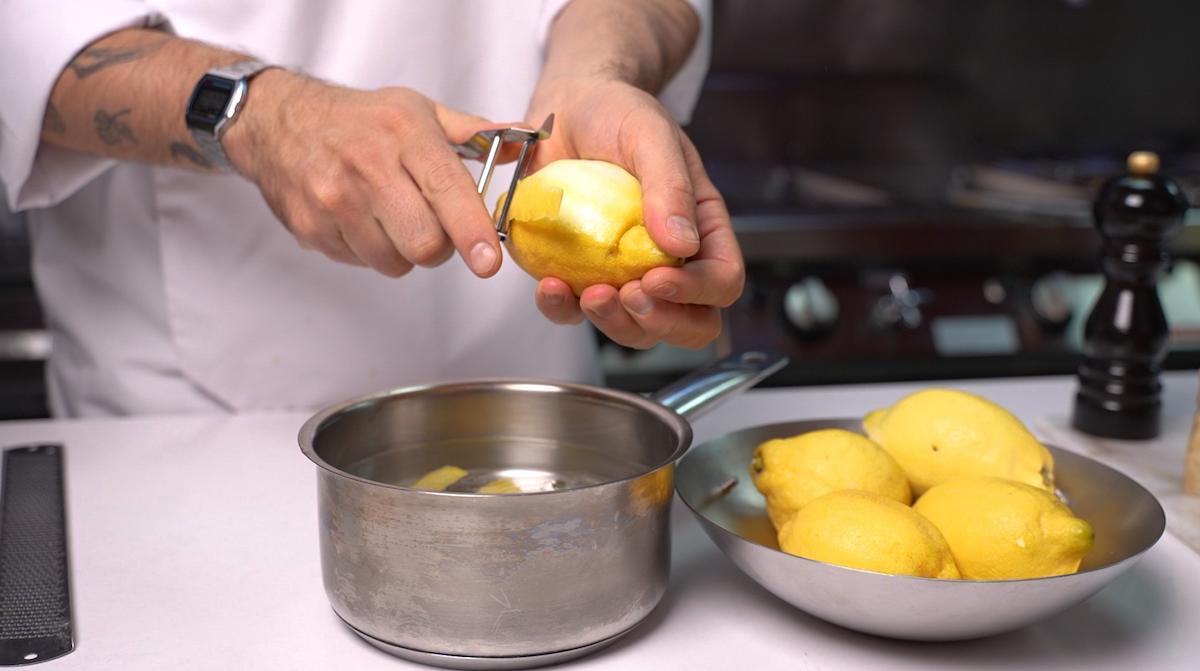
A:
<point x="208" y="103"/>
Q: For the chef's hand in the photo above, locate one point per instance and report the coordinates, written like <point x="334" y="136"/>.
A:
<point x="365" y="177"/>
<point x="597" y="118"/>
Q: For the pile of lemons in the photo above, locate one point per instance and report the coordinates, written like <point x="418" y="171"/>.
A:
<point x="985" y="504"/>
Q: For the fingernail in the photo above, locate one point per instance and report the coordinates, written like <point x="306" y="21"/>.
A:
<point x="553" y="300"/>
<point x="664" y="290"/>
<point x="639" y="302"/>
<point x="483" y="257"/>
<point x="604" y="310"/>
<point x="681" y="228"/>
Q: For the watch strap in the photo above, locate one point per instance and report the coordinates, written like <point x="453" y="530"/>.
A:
<point x="211" y="147"/>
<point x="242" y="69"/>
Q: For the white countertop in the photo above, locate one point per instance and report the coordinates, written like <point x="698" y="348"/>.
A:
<point x="194" y="546"/>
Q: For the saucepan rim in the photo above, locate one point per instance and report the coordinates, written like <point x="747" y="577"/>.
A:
<point x="315" y="424"/>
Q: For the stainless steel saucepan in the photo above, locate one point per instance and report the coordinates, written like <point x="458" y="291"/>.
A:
<point x="471" y="580"/>
<point x="714" y="481"/>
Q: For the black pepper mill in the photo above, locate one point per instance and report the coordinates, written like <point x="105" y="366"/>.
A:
<point x="1125" y="338"/>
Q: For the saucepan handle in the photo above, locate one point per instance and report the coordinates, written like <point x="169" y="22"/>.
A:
<point x="703" y="390"/>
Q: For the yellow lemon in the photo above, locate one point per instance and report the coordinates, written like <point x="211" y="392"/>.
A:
<point x="941" y="434"/>
<point x="581" y="221"/>
<point x="790" y="472"/>
<point x="440" y="478"/>
<point x="500" y="486"/>
<point x="872" y="421"/>
<point x="868" y="531"/>
<point x="999" y="529"/>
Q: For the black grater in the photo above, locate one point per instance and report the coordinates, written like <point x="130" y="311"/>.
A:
<point x="35" y="603"/>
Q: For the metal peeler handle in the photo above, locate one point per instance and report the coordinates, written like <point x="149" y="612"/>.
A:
<point x="488" y="143"/>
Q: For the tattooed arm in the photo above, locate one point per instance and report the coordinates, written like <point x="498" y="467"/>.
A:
<point x="365" y="177"/>
<point x="124" y="96"/>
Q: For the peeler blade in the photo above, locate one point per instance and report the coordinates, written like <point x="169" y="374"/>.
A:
<point x="487" y="145"/>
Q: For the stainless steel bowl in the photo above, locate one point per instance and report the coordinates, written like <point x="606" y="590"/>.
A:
<point x="1127" y="519"/>
<point x="472" y="580"/>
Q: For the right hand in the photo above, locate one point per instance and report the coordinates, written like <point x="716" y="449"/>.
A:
<point x="366" y="177"/>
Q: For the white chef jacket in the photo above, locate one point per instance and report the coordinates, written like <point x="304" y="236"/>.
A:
<point x="168" y="291"/>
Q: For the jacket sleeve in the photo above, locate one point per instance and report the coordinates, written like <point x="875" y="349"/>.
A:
<point x="37" y="41"/>
<point x="681" y="92"/>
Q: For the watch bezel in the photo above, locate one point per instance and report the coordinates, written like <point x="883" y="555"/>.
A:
<point x="214" y="124"/>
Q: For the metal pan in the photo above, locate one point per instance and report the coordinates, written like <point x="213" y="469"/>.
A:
<point x="500" y="581"/>
<point x="1127" y="519"/>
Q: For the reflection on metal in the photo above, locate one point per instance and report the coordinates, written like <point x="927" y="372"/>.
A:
<point x="695" y="394"/>
<point x="30" y="345"/>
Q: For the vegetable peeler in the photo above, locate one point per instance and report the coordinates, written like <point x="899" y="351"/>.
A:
<point x="487" y="144"/>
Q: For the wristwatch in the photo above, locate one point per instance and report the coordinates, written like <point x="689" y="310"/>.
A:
<point x="215" y="104"/>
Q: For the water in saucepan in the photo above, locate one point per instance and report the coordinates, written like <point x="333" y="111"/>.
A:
<point x="521" y="464"/>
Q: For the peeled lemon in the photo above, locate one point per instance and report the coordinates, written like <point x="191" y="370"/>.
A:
<point x="790" y="472"/>
<point x="938" y="435"/>
<point x="581" y="221"/>
<point x="440" y="478"/>
<point x="500" y="486"/>
<point x="999" y="529"/>
<point x="864" y="530"/>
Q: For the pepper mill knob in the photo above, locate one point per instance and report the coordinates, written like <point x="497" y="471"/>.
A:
<point x="1142" y="163"/>
<point x="1125" y="337"/>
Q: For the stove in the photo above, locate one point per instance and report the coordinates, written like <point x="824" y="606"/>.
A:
<point x="911" y="182"/>
<point x="974" y="270"/>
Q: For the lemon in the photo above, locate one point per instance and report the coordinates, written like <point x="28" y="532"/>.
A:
<point x="581" y="221"/>
<point x="500" y="486"/>
<point x="440" y="478"/>
<point x="999" y="529"/>
<point x="872" y="421"/>
<point x="790" y="472"/>
<point x="868" y="531"/>
<point x="941" y="434"/>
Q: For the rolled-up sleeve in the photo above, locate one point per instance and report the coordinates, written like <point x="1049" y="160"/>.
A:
<point x="37" y="41"/>
<point x="681" y="92"/>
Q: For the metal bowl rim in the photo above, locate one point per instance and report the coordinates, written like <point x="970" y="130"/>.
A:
<point x="675" y="421"/>
<point x="1161" y="517"/>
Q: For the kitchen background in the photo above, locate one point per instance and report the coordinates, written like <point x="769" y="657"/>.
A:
<point x="911" y="182"/>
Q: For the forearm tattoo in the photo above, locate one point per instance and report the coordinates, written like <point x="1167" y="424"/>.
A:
<point x="53" y="121"/>
<point x="183" y="150"/>
<point x="112" y="130"/>
<point x="91" y="61"/>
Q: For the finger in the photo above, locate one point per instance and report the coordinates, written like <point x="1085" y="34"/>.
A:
<point x="601" y="304"/>
<point x="557" y="303"/>
<point x="364" y="235"/>
<point x="715" y="277"/>
<point x="711" y="211"/>
<point x="320" y="237"/>
<point x="707" y="282"/>
<point x="450" y="191"/>
<point x="651" y="148"/>
<point x="690" y="326"/>
<point x="460" y="126"/>
<point x="412" y="228"/>
<point x="339" y="251"/>
<point x="717" y="274"/>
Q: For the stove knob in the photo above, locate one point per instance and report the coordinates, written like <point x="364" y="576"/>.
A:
<point x="1051" y="299"/>
<point x="810" y="307"/>
<point x="901" y="306"/>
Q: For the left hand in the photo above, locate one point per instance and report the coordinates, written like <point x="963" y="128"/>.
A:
<point x="597" y="118"/>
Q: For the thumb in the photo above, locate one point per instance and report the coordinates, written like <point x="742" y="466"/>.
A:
<point x="460" y="126"/>
<point x="668" y="198"/>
